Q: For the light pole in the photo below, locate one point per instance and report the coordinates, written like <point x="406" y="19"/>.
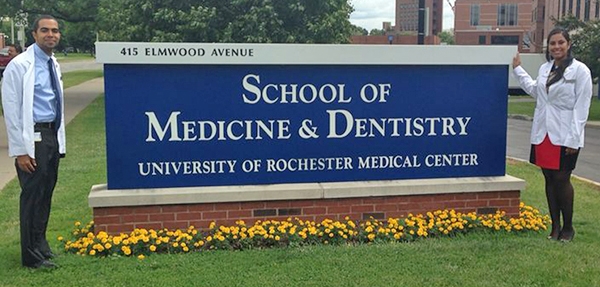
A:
<point x="421" y="29"/>
<point x="12" y="30"/>
<point x="21" y="23"/>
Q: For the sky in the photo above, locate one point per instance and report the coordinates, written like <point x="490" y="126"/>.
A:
<point x="369" y="14"/>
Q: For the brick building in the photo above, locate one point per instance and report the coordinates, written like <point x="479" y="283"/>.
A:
<point x="407" y="25"/>
<point x="407" y="16"/>
<point x="493" y="22"/>
<point x="545" y="10"/>
<point x="515" y="22"/>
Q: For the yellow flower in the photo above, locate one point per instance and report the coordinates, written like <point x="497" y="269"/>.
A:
<point x="141" y="257"/>
<point x="60" y="238"/>
<point x="92" y="252"/>
<point x="152" y="248"/>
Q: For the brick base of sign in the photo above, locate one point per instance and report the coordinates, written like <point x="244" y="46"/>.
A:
<point x="119" y="219"/>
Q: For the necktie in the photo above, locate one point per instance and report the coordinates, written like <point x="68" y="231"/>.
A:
<point x="56" y="90"/>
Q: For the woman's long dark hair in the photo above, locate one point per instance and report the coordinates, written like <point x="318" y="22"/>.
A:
<point x="559" y="71"/>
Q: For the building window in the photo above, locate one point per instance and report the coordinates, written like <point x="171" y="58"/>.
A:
<point x="407" y="18"/>
<point x="542" y="32"/>
<point x="571" y="7"/>
<point x="507" y="14"/>
<point x="564" y="7"/>
<point x="505" y="40"/>
<point x="543" y="14"/>
<point x="578" y="10"/>
<point x="482" y="40"/>
<point x="597" y="14"/>
<point x="586" y="11"/>
<point x="474" y="14"/>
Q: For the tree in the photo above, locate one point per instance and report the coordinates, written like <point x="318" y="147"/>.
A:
<point x="359" y="31"/>
<point x="586" y="42"/>
<point x="377" y="32"/>
<point x="248" y="21"/>
<point x="73" y="11"/>
<point x="587" y="47"/>
<point x="568" y="22"/>
<point x="69" y="13"/>
<point x="446" y="37"/>
<point x="150" y="21"/>
<point x="81" y="36"/>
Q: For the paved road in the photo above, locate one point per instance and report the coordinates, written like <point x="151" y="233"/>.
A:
<point x="588" y="164"/>
<point x="80" y="65"/>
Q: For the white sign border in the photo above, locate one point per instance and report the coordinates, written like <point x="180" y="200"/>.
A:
<point x="300" y="54"/>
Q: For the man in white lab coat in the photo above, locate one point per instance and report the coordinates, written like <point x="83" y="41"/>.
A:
<point x="32" y="99"/>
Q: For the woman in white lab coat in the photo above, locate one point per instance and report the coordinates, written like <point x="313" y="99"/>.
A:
<point x="563" y="93"/>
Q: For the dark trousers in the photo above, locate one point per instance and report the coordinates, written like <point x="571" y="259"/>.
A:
<point x="36" y="198"/>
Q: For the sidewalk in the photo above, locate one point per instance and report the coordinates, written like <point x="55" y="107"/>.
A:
<point x="76" y="99"/>
<point x="594" y="124"/>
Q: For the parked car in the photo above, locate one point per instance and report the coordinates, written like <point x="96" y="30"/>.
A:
<point x="4" y="59"/>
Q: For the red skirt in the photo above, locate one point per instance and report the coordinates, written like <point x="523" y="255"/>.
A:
<point x="549" y="156"/>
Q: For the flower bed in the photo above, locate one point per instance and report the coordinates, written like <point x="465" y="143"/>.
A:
<point x="295" y="232"/>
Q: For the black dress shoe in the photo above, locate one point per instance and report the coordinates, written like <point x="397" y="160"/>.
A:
<point x="48" y="264"/>
<point x="45" y="264"/>
<point x="49" y="255"/>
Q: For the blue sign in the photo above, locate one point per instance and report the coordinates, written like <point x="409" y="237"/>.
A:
<point x="177" y="125"/>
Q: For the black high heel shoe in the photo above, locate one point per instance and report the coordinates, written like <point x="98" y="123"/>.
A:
<point x="554" y="234"/>
<point x="566" y="236"/>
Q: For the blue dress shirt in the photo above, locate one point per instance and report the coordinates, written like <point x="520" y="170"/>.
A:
<point x="44" y="99"/>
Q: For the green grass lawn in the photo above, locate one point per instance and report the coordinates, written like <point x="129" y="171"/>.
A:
<point x="75" y="78"/>
<point x="526" y="108"/>
<point x="475" y="259"/>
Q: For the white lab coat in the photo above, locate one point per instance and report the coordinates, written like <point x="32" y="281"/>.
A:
<point x="561" y="112"/>
<point x="17" y="101"/>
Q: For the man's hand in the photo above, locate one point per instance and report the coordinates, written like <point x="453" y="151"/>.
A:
<point x="570" y="151"/>
<point x="26" y="163"/>
<point x="516" y="61"/>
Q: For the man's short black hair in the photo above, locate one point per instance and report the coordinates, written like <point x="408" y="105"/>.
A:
<point x="36" y="23"/>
